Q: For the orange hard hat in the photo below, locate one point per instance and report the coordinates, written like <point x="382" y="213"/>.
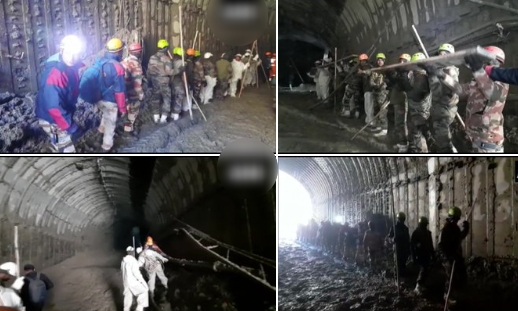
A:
<point x="363" y="57"/>
<point x="190" y="52"/>
<point x="149" y="241"/>
<point x="135" y="47"/>
<point x="268" y="53"/>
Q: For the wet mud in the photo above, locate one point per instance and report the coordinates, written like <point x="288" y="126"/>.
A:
<point x="320" y="130"/>
<point x="251" y="116"/>
<point x="312" y="280"/>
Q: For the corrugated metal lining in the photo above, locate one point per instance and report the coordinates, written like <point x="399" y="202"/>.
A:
<point x="35" y="28"/>
<point x="419" y="186"/>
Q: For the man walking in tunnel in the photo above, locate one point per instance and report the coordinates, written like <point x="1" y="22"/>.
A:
<point x="224" y="69"/>
<point x="35" y="289"/>
<point x="210" y="78"/>
<point x="401" y="240"/>
<point x="450" y="250"/>
<point x="153" y="262"/>
<point x="134" y="284"/>
<point x="373" y="246"/>
<point x="422" y="252"/>
<point x="134" y="90"/>
<point x="238" y="68"/>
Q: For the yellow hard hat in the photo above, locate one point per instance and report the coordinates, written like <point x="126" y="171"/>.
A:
<point x="115" y="45"/>
<point x="162" y="44"/>
<point x="447" y="47"/>
<point x="178" y="51"/>
<point x="418" y="56"/>
<point x="405" y="56"/>
<point x="380" y="55"/>
<point x="197" y="53"/>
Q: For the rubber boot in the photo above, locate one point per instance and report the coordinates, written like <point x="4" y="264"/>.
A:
<point x="156" y="118"/>
<point x="175" y="116"/>
<point x="163" y="119"/>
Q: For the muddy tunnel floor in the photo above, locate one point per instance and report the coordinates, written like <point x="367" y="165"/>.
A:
<point x="251" y="116"/>
<point x="314" y="281"/>
<point x="92" y="281"/>
<point x="320" y="130"/>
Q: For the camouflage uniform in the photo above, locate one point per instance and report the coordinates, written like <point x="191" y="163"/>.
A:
<point x="444" y="107"/>
<point x="353" y="91"/>
<point x="224" y="69"/>
<point x="198" y="78"/>
<point x="160" y="70"/>
<point x="399" y="102"/>
<point x="134" y="91"/>
<point x="415" y="84"/>
<point x="379" y="96"/>
<point x="210" y="76"/>
<point x="178" y="87"/>
<point x="484" y="118"/>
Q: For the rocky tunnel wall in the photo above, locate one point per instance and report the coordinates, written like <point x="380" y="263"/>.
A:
<point x="419" y="186"/>
<point x="65" y="205"/>
<point x="30" y="31"/>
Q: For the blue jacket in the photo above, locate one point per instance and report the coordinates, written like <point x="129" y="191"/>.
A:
<point x="509" y="76"/>
<point x="114" y="77"/>
<point x="58" y="89"/>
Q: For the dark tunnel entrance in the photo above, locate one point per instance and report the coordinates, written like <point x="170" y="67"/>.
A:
<point x="297" y="57"/>
<point x="347" y="260"/>
<point x="77" y="219"/>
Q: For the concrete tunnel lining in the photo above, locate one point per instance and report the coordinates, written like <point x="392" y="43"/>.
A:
<point x="418" y="186"/>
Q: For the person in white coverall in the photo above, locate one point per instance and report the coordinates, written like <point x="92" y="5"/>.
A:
<point x="8" y="296"/>
<point x="322" y="79"/>
<point x="211" y="79"/>
<point x="314" y="77"/>
<point x="152" y="263"/>
<point x="238" y="69"/>
<point x="134" y="284"/>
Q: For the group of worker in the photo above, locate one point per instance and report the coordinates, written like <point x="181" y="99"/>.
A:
<point x="424" y="100"/>
<point x="151" y="260"/>
<point x="368" y="240"/>
<point x="25" y="293"/>
<point x="115" y="86"/>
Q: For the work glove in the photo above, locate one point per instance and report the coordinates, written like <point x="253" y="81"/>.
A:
<point x="474" y="62"/>
<point x="256" y="57"/>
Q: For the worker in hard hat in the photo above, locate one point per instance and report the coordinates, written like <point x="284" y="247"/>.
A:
<point x="160" y="71"/>
<point x="134" y="284"/>
<point x="180" y="101"/>
<point x="375" y="96"/>
<point x="450" y="252"/>
<point x="198" y="78"/>
<point x="113" y="96"/>
<point x="401" y="240"/>
<point x="423" y="253"/>
<point x="485" y="104"/>
<point x="416" y="85"/>
<point x="8" y="295"/>
<point x="238" y="69"/>
<point x="133" y="75"/>
<point x="152" y="261"/>
<point x="373" y="246"/>
<point x="209" y="70"/>
<point x="398" y="100"/>
<point x="224" y="71"/>
<point x="58" y="93"/>
<point x="444" y="85"/>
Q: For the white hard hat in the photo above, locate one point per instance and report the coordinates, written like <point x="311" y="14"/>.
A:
<point x="248" y="50"/>
<point x="247" y="54"/>
<point x="239" y="55"/>
<point x="139" y="250"/>
<point x="8" y="268"/>
<point x="208" y="55"/>
<point x="129" y="249"/>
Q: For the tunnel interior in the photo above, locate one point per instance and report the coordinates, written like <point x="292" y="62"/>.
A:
<point x="354" y="27"/>
<point x="354" y="189"/>
<point x="77" y="214"/>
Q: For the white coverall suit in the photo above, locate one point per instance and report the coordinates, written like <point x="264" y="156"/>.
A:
<point x="251" y="74"/>
<point x="238" y="69"/>
<point x="134" y="284"/>
<point x="152" y="262"/>
<point x="322" y="79"/>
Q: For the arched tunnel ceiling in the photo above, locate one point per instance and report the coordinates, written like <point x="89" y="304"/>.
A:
<point x="354" y="25"/>
<point x="332" y="177"/>
<point x="68" y="194"/>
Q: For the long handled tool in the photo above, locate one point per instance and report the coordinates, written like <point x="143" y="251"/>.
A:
<point x="427" y="56"/>
<point x="184" y="75"/>
<point x="296" y="69"/>
<point x="254" y="48"/>
<point x="385" y="105"/>
<point x="449" y="287"/>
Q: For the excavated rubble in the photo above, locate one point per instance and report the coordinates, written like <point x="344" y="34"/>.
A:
<point x="310" y="280"/>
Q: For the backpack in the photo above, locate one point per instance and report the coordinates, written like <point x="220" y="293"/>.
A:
<point x="92" y="87"/>
<point x="37" y="290"/>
